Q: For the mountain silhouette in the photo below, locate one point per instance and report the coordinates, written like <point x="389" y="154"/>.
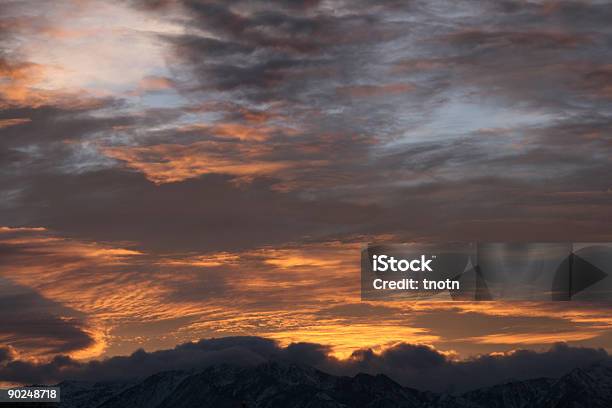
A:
<point x="282" y="385"/>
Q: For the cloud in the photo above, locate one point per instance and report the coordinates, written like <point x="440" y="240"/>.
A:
<point x="6" y="354"/>
<point x="18" y="80"/>
<point x="425" y="368"/>
<point x="364" y="91"/>
<point x="269" y="218"/>
<point x="154" y="83"/>
<point x="145" y="298"/>
<point x="508" y="40"/>
<point x="13" y="122"/>
<point x="34" y="325"/>
<point x="174" y="163"/>
<point x="364" y="113"/>
<point x="456" y="80"/>
<point x="416" y="366"/>
<point x="239" y="351"/>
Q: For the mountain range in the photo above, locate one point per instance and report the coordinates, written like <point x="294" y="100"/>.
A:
<point x="282" y="385"/>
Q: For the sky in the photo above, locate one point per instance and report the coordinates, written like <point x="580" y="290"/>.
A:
<point x="174" y="171"/>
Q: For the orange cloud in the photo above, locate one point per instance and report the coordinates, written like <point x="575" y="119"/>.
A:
<point x="154" y="83"/>
<point x="536" y="337"/>
<point x="17" y="81"/>
<point x="345" y="339"/>
<point x="170" y="163"/>
<point x="13" y="122"/>
<point x="22" y="229"/>
<point x="295" y="292"/>
<point x="23" y="84"/>
<point x="254" y="132"/>
<point x="206" y="261"/>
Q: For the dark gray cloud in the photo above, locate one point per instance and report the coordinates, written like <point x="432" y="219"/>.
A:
<point x="424" y="368"/>
<point x="238" y="351"/>
<point x="6" y="354"/>
<point x="465" y="115"/>
<point x="208" y="212"/>
<point x="412" y="365"/>
<point x="33" y="324"/>
<point x="423" y="83"/>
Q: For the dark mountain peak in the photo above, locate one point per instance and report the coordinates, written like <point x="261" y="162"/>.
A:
<point x="291" y="372"/>
<point x="596" y="375"/>
<point x="78" y="394"/>
<point x="515" y="394"/>
<point x="589" y="387"/>
<point x="379" y="381"/>
<point x="152" y="390"/>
